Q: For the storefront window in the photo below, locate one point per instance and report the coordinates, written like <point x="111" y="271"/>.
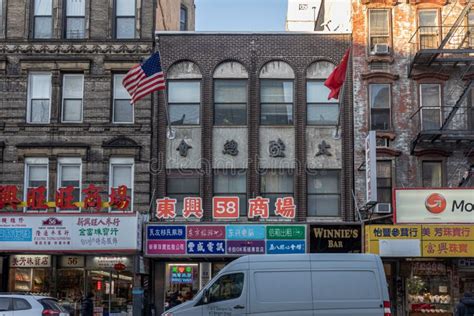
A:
<point x="429" y="289"/>
<point x="182" y="283"/>
<point x="33" y="280"/>
<point x="70" y="287"/>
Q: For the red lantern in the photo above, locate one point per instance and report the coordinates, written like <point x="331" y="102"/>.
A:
<point x="119" y="266"/>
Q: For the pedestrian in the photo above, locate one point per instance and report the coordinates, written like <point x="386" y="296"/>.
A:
<point x="465" y="307"/>
<point x="87" y="305"/>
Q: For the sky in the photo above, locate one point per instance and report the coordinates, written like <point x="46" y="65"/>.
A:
<point x="240" y="15"/>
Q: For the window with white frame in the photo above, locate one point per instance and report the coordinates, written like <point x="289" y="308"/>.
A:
<point x="122" y="173"/>
<point x="230" y="182"/>
<point x="39" y="98"/>
<point x="124" y="19"/>
<point x="73" y="91"/>
<point x="324" y="193"/>
<point x="43" y="19"/>
<point x="321" y="111"/>
<point x="379" y="28"/>
<point x="276" y="102"/>
<point x="184" y="101"/>
<point x="384" y="181"/>
<point x="183" y="19"/>
<point x="276" y="184"/>
<point x="230" y="102"/>
<point x="69" y="174"/>
<point x="36" y="175"/>
<point x="75" y="19"/>
<point x="122" y="108"/>
<point x="428" y="29"/>
<point x="380" y="105"/>
<point x="430" y="102"/>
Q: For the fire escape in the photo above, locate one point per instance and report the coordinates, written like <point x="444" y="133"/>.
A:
<point x="446" y="51"/>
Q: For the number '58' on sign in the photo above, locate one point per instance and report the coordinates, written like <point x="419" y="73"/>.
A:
<point x="225" y="207"/>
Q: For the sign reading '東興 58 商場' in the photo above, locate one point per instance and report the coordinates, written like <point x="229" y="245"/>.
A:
<point x="434" y="206"/>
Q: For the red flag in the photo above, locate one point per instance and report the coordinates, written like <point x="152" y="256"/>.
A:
<point x="337" y="77"/>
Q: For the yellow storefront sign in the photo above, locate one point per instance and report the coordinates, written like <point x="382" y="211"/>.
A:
<point x="435" y="240"/>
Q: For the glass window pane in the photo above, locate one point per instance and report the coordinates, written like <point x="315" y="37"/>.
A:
<point x="227" y="287"/>
<point x="430" y="95"/>
<point x="184" y="92"/>
<point x="40" y="86"/>
<point x="72" y="111"/>
<point x="76" y="7"/>
<point x="431" y="119"/>
<point x="276" y="91"/>
<point x="230" y="183"/>
<point x="384" y="169"/>
<point x="70" y="173"/>
<point x="380" y="119"/>
<point x="39" y="111"/>
<point x="277" y="181"/>
<point x="125" y="7"/>
<point x="323" y="205"/>
<point x="184" y="114"/>
<point x="38" y="173"/>
<point x="121" y="175"/>
<point x="277" y="114"/>
<point x="323" y="181"/>
<point x="5" y="304"/>
<point x="318" y="92"/>
<point x="378" y="20"/>
<point x="428" y="18"/>
<point x="323" y="114"/>
<point x="125" y="28"/>
<point x="230" y="114"/>
<point x="43" y="7"/>
<point x="432" y="174"/>
<point x="119" y="91"/>
<point x="75" y="28"/>
<point x="72" y="88"/>
<point x="43" y="27"/>
<point x="182" y="185"/>
<point x="123" y="111"/>
<point x="379" y="96"/>
<point x="234" y="91"/>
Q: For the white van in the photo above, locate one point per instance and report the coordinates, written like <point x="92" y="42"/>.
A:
<point x="311" y="284"/>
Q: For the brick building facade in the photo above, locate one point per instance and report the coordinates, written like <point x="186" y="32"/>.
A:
<point x="66" y="120"/>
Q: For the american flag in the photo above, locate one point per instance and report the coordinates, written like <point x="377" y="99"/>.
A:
<point x="144" y="78"/>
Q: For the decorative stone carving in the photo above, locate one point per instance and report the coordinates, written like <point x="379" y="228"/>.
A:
<point x="120" y="141"/>
<point x="183" y="148"/>
<point x="277" y="148"/>
<point x="323" y="149"/>
<point x="231" y="148"/>
<point x="50" y="48"/>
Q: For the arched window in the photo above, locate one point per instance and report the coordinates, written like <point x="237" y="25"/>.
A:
<point x="320" y="110"/>
<point x="230" y="94"/>
<point x="184" y="93"/>
<point x="276" y="94"/>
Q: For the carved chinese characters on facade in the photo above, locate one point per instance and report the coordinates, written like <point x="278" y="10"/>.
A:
<point x="276" y="148"/>
<point x="183" y="148"/>
<point x="231" y="148"/>
<point x="323" y="149"/>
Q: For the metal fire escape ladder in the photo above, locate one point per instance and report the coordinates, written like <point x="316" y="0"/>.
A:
<point x="453" y="29"/>
<point x="457" y="105"/>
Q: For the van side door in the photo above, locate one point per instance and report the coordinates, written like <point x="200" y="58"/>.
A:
<point x="227" y="296"/>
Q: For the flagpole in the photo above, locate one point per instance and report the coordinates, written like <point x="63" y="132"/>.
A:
<point x="343" y="95"/>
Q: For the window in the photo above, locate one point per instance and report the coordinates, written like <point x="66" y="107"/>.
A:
<point x="121" y="173"/>
<point x="232" y="183"/>
<point x="276" y="184"/>
<point x="276" y="102"/>
<point x="73" y="91"/>
<point x="432" y="174"/>
<point x="321" y="111"/>
<point x="123" y="110"/>
<point x="179" y="188"/>
<point x="69" y="174"/>
<point x="5" y="304"/>
<point x="124" y="19"/>
<point x="428" y="29"/>
<point x="384" y="181"/>
<point x="39" y="98"/>
<point x="227" y="287"/>
<point x="379" y="28"/>
<point x="36" y="175"/>
<point x="470" y="28"/>
<point x="75" y="19"/>
<point x="183" y="19"/>
<point x="380" y="105"/>
<point x="230" y="97"/>
<point x="20" y="304"/>
<point x="2" y="20"/>
<point x="184" y="98"/>
<point x="430" y="100"/>
<point x="43" y="19"/>
<point x="324" y="193"/>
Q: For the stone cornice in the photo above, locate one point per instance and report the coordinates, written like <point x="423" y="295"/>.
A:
<point x="70" y="48"/>
<point x="380" y="75"/>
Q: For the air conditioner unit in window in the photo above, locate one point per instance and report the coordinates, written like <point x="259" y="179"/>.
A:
<point x="381" y="49"/>
<point x="383" y="208"/>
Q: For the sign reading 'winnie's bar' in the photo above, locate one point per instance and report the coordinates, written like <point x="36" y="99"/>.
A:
<point x="339" y="238"/>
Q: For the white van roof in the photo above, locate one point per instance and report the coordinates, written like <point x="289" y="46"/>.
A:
<point x="308" y="257"/>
